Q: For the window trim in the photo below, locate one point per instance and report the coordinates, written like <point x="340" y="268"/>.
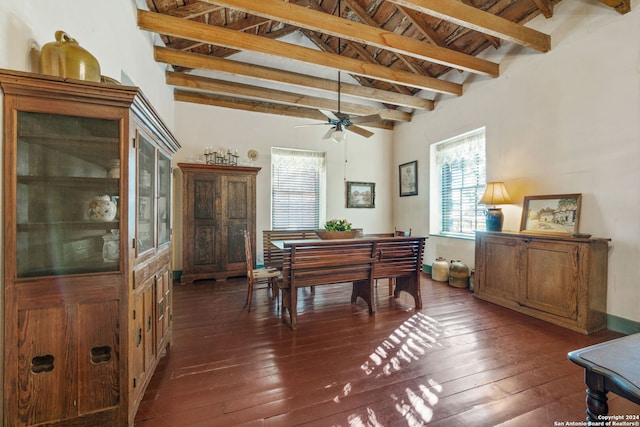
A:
<point x="301" y="153"/>
<point x="435" y="198"/>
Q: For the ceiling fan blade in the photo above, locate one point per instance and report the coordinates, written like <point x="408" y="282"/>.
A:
<point x="311" y="124"/>
<point x="342" y="116"/>
<point x="360" y="131"/>
<point x="329" y="133"/>
<point x="329" y="114"/>
<point x="365" y="119"/>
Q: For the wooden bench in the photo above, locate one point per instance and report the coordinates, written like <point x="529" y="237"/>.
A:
<point x="273" y="256"/>
<point x="400" y="260"/>
<point x="359" y="261"/>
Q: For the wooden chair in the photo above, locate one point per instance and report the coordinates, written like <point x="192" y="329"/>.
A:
<point x="259" y="278"/>
<point x="400" y="233"/>
<point x="396" y="233"/>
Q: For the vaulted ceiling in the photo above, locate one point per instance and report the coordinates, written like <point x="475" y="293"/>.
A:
<point x="397" y="53"/>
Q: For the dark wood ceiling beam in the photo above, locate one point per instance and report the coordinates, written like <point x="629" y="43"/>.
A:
<point x="193" y="10"/>
<point x="364" y="17"/>
<point x="260" y="107"/>
<point x="545" y="6"/>
<point x="425" y="30"/>
<point x="247" y="23"/>
<point x="177" y="27"/>
<point x="315" y="39"/>
<point x="621" y="6"/>
<point x="360" y="33"/>
<point x="227" y="66"/>
<point x="478" y="20"/>
<point x="281" y="97"/>
<point x="494" y="41"/>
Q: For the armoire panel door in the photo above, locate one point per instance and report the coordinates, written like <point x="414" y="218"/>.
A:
<point x="205" y="222"/>
<point x="239" y="217"/>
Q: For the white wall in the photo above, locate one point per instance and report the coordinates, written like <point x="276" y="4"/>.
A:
<point x="367" y="160"/>
<point x="106" y="29"/>
<point x="566" y="121"/>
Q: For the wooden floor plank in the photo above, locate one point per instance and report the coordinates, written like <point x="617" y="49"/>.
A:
<point x="458" y="361"/>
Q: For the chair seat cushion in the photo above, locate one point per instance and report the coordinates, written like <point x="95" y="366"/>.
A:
<point x="261" y="273"/>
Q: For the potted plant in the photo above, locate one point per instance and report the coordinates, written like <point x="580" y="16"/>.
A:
<point x="337" y="229"/>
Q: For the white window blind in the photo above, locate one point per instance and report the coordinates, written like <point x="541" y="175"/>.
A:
<point x="297" y="188"/>
<point x="461" y="165"/>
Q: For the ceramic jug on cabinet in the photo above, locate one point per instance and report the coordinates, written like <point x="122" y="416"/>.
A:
<point x="65" y="58"/>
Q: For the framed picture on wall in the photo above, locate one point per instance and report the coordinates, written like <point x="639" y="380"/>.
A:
<point x="361" y="194"/>
<point x="556" y="214"/>
<point x="408" y="178"/>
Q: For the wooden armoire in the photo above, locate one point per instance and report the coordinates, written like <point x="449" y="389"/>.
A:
<point x="218" y="205"/>
<point x="87" y="249"/>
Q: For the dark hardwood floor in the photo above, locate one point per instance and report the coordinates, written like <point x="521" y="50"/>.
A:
<point x="457" y="362"/>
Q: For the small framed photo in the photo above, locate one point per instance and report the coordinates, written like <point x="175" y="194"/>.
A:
<point x="554" y="214"/>
<point x="409" y="179"/>
<point x="361" y="194"/>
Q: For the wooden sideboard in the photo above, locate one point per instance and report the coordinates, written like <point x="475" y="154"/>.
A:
<point x="560" y="279"/>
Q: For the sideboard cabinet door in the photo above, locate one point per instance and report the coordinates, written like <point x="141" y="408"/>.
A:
<point x="551" y="277"/>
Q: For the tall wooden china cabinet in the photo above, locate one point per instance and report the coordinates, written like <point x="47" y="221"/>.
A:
<point x="87" y="251"/>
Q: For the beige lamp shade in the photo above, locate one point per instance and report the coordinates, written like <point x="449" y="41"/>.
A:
<point x="495" y="194"/>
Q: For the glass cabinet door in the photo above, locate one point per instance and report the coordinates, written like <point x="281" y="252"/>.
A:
<point x="146" y="194"/>
<point x="68" y="186"/>
<point x="164" y="198"/>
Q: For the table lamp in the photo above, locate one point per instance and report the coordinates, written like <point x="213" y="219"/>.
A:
<point x="495" y="194"/>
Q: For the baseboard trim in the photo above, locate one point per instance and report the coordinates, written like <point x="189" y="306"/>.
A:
<point x="622" y="325"/>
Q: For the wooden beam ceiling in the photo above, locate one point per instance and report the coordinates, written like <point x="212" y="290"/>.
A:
<point x="395" y="49"/>
<point x="228" y="66"/>
<point x="164" y="24"/>
<point x="282" y="97"/>
<point x="361" y="33"/>
<point x="259" y="107"/>
<point x="470" y="17"/>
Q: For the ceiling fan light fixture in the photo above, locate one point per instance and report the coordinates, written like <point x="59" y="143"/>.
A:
<point x="339" y="136"/>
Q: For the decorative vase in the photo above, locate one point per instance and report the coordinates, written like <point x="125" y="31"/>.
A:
<point x="65" y="58"/>
<point x="111" y="246"/>
<point x="458" y="274"/>
<point x="440" y="270"/>
<point x="101" y="208"/>
<point x="114" y="168"/>
<point x="330" y="235"/>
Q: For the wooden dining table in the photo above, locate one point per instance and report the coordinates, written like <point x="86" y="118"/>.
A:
<point x="610" y="366"/>
<point x="359" y="261"/>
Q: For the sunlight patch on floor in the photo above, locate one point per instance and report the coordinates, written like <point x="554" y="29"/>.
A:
<point x="408" y="343"/>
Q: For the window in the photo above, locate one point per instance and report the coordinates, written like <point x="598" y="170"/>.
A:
<point x="297" y="188"/>
<point x="459" y="178"/>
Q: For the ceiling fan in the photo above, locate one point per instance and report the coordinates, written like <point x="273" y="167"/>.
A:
<point x="341" y="122"/>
